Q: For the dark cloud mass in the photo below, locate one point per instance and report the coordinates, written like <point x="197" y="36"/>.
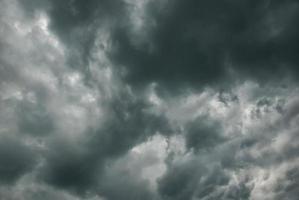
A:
<point x="200" y="42"/>
<point x="16" y="159"/>
<point x="203" y="134"/>
<point x="149" y="99"/>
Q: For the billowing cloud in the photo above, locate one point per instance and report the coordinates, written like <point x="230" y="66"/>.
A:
<point x="157" y="100"/>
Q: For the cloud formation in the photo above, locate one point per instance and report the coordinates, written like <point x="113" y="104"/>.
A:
<point x="157" y="100"/>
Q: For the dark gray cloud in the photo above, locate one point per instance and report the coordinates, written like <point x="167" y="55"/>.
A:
<point x="16" y="159"/>
<point x="198" y="43"/>
<point x="145" y="99"/>
<point x="203" y="133"/>
<point x="203" y="42"/>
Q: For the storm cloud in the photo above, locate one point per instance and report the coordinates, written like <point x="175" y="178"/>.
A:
<point x="155" y="100"/>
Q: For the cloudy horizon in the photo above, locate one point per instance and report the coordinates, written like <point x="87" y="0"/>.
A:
<point x="149" y="100"/>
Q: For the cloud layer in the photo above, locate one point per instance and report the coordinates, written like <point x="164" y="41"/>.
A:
<point x="157" y="100"/>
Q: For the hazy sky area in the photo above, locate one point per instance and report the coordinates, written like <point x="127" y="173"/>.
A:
<point x="149" y="100"/>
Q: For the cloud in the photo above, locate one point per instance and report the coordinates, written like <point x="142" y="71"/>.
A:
<point x="16" y="159"/>
<point x="254" y="156"/>
<point x="134" y="175"/>
<point x="203" y="133"/>
<point x="210" y="43"/>
<point x="78" y="165"/>
<point x="127" y="99"/>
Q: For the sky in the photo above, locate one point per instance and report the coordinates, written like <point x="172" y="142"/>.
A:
<point x="149" y="99"/>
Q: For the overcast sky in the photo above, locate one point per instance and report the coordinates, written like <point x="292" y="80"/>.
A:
<point x="149" y="100"/>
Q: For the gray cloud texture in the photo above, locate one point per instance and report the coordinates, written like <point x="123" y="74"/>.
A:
<point x="157" y="100"/>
